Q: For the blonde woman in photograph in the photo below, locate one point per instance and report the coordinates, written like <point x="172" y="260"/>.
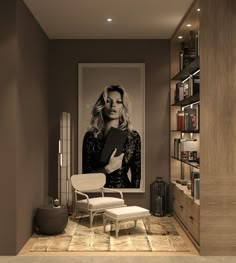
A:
<point x="112" y="110"/>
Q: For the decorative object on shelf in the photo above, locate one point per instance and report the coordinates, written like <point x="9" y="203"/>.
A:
<point x="159" y="197"/>
<point x="181" y="181"/>
<point x="189" y="185"/>
<point x="56" y="203"/>
<point x="186" y="149"/>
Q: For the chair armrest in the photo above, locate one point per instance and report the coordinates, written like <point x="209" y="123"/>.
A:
<point x="112" y="190"/>
<point x="83" y="194"/>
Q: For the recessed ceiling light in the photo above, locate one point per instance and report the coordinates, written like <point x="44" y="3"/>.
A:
<point x="188" y="25"/>
<point x="109" y="19"/>
<point x="180" y="37"/>
<point x="198" y="9"/>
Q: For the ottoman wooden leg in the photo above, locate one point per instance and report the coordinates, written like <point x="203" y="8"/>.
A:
<point x="117" y="228"/>
<point x="148" y="224"/>
<point x="104" y="223"/>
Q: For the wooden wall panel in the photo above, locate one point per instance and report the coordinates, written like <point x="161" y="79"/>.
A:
<point x="218" y="127"/>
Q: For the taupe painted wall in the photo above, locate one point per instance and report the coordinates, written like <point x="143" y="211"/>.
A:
<point x="32" y="121"/>
<point x="63" y="96"/>
<point x="23" y="116"/>
<point x="8" y="127"/>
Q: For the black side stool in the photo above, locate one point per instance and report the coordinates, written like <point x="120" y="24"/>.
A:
<point x="51" y="220"/>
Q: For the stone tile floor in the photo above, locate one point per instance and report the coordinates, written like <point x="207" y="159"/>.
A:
<point x="77" y="236"/>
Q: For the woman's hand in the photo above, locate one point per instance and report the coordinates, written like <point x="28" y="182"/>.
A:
<point x="114" y="162"/>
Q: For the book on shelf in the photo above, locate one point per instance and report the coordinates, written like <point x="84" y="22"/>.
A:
<point x="115" y="139"/>
<point x="179" y="92"/>
<point x="194" y="190"/>
<point x="180" y="120"/>
<point x="196" y="187"/>
<point x="190" y="119"/>
<point x="177" y="142"/>
<point x="190" y="85"/>
<point x="197" y="43"/>
<point x="196" y="83"/>
<point x="181" y="59"/>
<point x="192" y="156"/>
<point x="186" y="90"/>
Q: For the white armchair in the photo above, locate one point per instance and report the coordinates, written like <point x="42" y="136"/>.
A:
<point x="93" y="182"/>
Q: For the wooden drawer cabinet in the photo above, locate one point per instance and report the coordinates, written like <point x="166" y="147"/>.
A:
<point x="179" y="204"/>
<point x="180" y="211"/>
<point x="192" y="218"/>
<point x="187" y="211"/>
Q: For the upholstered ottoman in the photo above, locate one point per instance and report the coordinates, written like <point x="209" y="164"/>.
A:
<point x="127" y="213"/>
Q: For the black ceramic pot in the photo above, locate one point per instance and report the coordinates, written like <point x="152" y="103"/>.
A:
<point x="51" y="220"/>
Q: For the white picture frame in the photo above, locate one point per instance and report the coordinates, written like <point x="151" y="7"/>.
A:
<point x="92" y="79"/>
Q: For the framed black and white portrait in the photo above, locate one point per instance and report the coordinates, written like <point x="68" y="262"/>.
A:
<point x="111" y="123"/>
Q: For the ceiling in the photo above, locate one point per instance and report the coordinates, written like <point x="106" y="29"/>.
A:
<point x="87" y="19"/>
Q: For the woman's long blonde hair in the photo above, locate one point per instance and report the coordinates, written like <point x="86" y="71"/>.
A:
<point x="97" y="122"/>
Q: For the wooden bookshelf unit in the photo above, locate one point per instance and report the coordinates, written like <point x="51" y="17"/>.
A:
<point x="185" y="112"/>
<point x="215" y="230"/>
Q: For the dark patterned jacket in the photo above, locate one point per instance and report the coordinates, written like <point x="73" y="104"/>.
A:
<point x="92" y="149"/>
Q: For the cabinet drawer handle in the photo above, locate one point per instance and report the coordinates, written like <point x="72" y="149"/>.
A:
<point x="191" y="217"/>
<point x="181" y="206"/>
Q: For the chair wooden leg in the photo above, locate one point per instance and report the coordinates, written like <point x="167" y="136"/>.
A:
<point x="91" y="219"/>
<point x="74" y="214"/>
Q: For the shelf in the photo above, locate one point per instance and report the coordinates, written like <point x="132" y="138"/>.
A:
<point x="188" y="70"/>
<point x="193" y="164"/>
<point x="196" y="131"/>
<point x="186" y="191"/>
<point x="187" y="101"/>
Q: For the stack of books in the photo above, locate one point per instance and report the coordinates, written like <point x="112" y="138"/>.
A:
<point x="185" y="149"/>
<point x="187" y="120"/>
